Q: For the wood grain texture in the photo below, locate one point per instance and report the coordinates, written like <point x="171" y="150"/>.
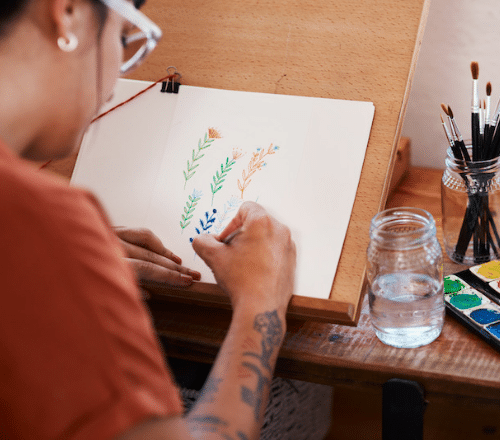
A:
<point x="359" y="50"/>
<point x="458" y="365"/>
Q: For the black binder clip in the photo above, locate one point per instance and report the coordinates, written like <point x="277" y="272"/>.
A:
<point x="171" y="84"/>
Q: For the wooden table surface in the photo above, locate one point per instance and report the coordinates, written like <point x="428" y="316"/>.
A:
<point x="457" y="364"/>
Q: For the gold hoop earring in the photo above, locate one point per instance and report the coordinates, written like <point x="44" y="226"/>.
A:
<point x="68" y="44"/>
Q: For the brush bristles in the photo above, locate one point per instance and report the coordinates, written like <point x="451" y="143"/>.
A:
<point x="450" y="113"/>
<point x="488" y="89"/>
<point x="474" y="68"/>
<point x="445" y="109"/>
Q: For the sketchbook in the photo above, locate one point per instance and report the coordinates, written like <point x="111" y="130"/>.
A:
<point x="182" y="163"/>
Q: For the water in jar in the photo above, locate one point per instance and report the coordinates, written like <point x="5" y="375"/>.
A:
<point x="407" y="309"/>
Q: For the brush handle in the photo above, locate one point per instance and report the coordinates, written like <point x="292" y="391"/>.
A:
<point x="495" y="144"/>
<point x="486" y="140"/>
<point x="475" y="137"/>
<point x="463" y="149"/>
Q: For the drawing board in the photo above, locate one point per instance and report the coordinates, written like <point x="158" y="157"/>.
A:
<point x="181" y="164"/>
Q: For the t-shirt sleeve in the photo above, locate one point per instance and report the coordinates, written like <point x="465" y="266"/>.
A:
<point x="79" y="357"/>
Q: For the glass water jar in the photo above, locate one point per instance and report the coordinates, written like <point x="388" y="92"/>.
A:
<point x="470" y="200"/>
<point x="405" y="277"/>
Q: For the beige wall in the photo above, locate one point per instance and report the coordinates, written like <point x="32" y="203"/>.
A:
<point x="457" y="32"/>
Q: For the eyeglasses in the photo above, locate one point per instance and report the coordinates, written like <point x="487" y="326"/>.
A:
<point x="140" y="38"/>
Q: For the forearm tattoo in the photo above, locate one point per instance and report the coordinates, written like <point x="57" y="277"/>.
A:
<point x="209" y="390"/>
<point x="258" y="364"/>
<point x="270" y="327"/>
<point x="209" y="423"/>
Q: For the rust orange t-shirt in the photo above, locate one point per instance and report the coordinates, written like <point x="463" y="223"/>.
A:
<point x="78" y="354"/>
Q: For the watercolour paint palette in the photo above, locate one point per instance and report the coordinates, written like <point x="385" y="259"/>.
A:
<point x="472" y="297"/>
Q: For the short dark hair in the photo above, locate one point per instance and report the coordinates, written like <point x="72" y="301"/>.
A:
<point x="11" y="9"/>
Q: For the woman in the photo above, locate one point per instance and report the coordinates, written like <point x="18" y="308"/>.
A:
<point x="79" y="357"/>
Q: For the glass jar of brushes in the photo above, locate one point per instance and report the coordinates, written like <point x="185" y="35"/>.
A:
<point x="470" y="201"/>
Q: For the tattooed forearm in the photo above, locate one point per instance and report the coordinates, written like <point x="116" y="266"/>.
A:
<point x="210" y="389"/>
<point x="209" y="423"/>
<point x="270" y="327"/>
<point x="254" y="398"/>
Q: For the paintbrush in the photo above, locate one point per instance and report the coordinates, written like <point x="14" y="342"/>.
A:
<point x="459" y="141"/>
<point x="487" y="121"/>
<point x="482" y="111"/>
<point x="474" y="68"/>
<point x="470" y="217"/>
<point x="453" y="133"/>
<point x="445" y="110"/>
<point x="457" y="153"/>
<point x="231" y="236"/>
<point x="494" y="134"/>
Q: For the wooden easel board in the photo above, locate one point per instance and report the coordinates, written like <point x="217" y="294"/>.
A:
<point x="358" y="50"/>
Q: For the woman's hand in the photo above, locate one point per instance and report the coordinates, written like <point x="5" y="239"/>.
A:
<point x="151" y="261"/>
<point x="257" y="267"/>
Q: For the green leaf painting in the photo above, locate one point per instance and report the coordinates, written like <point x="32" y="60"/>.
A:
<point x="198" y="153"/>
<point x="219" y="177"/>
<point x="193" y="200"/>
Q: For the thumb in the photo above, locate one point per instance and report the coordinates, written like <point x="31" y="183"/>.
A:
<point x="207" y="247"/>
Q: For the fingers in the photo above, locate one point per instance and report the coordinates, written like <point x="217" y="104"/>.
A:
<point x="151" y="266"/>
<point x="151" y="261"/>
<point x="208" y="248"/>
<point x="144" y="238"/>
<point x="257" y="266"/>
<point x="146" y="270"/>
<point x="247" y="213"/>
<point x="234" y="225"/>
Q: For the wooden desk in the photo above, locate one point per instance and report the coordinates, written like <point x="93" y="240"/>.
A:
<point x="460" y="372"/>
<point x="457" y="363"/>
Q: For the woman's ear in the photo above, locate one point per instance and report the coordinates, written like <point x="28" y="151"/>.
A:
<point x="65" y="15"/>
<point x="62" y="12"/>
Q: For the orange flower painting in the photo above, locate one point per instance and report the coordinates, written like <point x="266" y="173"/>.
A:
<point x="256" y="163"/>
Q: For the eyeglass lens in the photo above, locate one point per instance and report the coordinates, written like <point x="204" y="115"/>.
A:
<point x="133" y="40"/>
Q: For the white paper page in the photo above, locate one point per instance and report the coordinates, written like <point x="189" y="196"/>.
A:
<point x="121" y="153"/>
<point x="313" y="150"/>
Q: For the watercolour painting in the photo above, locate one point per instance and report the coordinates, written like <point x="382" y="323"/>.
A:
<point x="182" y="164"/>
